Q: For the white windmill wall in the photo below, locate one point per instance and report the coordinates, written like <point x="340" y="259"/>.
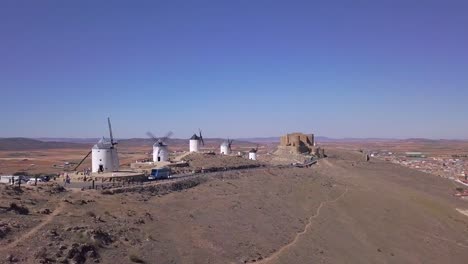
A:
<point x="252" y="156"/>
<point x="155" y="153"/>
<point x="106" y="157"/>
<point x="161" y="152"/>
<point x="225" y="149"/>
<point x="194" y="145"/>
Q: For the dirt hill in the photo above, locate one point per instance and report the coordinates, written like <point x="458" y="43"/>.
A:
<point x="342" y="210"/>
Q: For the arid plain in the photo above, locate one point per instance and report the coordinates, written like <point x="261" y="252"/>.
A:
<point x="341" y="210"/>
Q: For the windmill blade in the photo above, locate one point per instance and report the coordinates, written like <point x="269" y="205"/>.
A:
<point x="151" y="135"/>
<point x="167" y="136"/>
<point x="76" y="167"/>
<point x="201" y="137"/>
<point x="110" y="132"/>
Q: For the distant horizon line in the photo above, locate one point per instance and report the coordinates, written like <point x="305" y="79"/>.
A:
<point x="257" y="138"/>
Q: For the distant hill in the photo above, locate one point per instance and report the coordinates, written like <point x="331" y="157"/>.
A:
<point x="14" y="144"/>
<point x="17" y="144"/>
<point x="20" y="144"/>
<point x="70" y="140"/>
<point x="432" y="141"/>
<point x="327" y="139"/>
<point x="261" y="139"/>
<point x="137" y="142"/>
<point x="132" y="142"/>
<point x="351" y="140"/>
<point x="317" y="139"/>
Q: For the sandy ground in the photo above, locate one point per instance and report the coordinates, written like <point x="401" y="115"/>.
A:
<point x="43" y="161"/>
<point x="342" y="210"/>
<point x="464" y="212"/>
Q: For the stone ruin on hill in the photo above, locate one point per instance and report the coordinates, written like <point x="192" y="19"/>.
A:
<point x="297" y="148"/>
<point x="298" y="143"/>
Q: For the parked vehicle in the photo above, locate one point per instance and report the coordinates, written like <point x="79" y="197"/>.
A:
<point x="159" y="174"/>
<point x="32" y="181"/>
<point x="23" y="180"/>
<point x="9" y="179"/>
<point x="45" y="178"/>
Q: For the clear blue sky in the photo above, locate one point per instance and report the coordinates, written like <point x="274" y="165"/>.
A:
<point x="234" y="68"/>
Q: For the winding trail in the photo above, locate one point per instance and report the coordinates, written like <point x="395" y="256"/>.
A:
<point x="34" y="230"/>
<point x="276" y="254"/>
<point x="438" y="237"/>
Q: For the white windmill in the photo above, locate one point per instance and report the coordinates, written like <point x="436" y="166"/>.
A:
<point x="160" y="151"/>
<point x="104" y="155"/>
<point x="195" y="142"/>
<point x="253" y="153"/>
<point x="225" y="147"/>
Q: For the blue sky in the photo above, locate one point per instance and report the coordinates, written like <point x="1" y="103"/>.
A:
<point x="234" y="68"/>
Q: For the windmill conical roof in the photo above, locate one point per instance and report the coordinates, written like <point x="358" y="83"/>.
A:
<point x="195" y="137"/>
<point x="103" y="143"/>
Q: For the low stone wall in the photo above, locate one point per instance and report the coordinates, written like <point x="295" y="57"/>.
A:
<point x="215" y="169"/>
<point x="136" y="178"/>
<point x="162" y="187"/>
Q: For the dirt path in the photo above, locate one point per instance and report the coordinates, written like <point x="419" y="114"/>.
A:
<point x="461" y="211"/>
<point x="439" y="237"/>
<point x="276" y="254"/>
<point x="34" y="230"/>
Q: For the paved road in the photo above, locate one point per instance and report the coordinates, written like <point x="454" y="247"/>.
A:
<point x="99" y="185"/>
